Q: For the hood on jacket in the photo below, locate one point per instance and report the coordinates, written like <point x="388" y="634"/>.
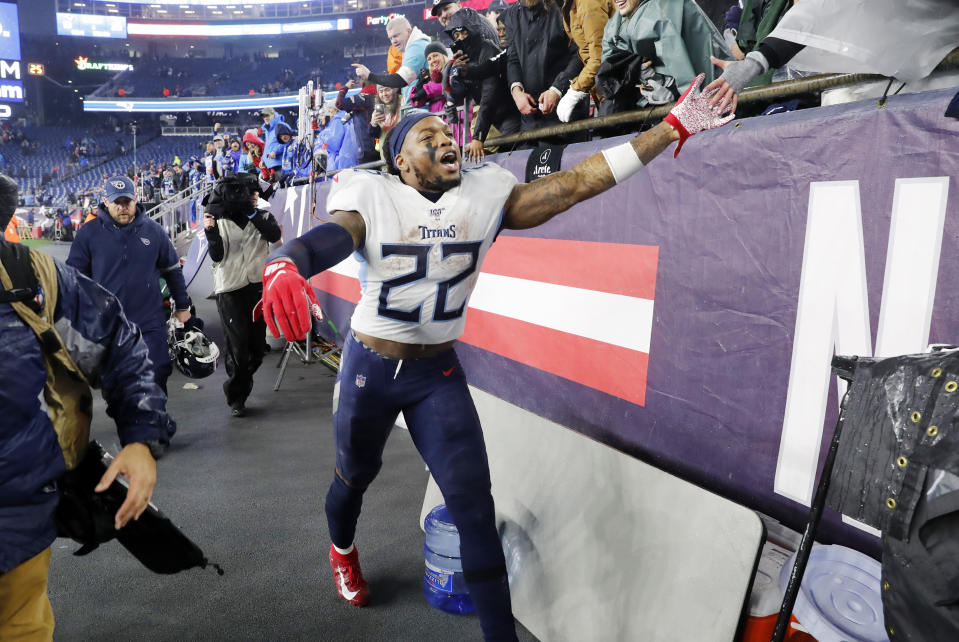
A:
<point x="477" y="25"/>
<point x="284" y="128"/>
<point x="251" y="137"/>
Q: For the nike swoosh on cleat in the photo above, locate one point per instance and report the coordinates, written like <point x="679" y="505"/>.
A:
<point x="447" y="373"/>
<point x="347" y="594"/>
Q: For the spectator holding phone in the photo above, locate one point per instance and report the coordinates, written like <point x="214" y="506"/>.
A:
<point x="386" y="111"/>
<point x="478" y="74"/>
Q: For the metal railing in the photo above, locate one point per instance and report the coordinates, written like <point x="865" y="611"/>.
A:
<point x="196" y="131"/>
<point x="167" y="213"/>
<point x="766" y="93"/>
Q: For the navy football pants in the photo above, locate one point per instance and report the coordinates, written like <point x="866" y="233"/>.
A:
<point x="432" y="395"/>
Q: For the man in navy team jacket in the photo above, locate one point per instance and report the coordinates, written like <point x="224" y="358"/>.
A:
<point x="127" y="253"/>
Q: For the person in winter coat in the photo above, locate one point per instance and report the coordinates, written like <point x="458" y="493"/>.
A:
<point x="482" y="80"/>
<point x="360" y="108"/>
<point x="272" y="151"/>
<point x="252" y="159"/>
<point x="127" y="253"/>
<point x="541" y="62"/>
<point x="428" y="91"/>
<point x="284" y="144"/>
<point x="683" y="36"/>
<point x="231" y="164"/>
<point x="386" y="112"/>
<point x="412" y="42"/>
<point x="339" y="141"/>
<point x="584" y="21"/>
<point x="239" y="230"/>
<point x="105" y="348"/>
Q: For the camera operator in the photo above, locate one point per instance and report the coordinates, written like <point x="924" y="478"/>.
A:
<point x="239" y="232"/>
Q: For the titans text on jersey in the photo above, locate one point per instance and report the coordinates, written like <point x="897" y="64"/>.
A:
<point x="422" y="258"/>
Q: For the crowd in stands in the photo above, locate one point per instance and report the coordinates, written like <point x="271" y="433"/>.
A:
<point x="243" y="74"/>
<point x="515" y="67"/>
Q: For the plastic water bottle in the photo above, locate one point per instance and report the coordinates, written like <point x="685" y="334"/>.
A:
<point x="443" y="583"/>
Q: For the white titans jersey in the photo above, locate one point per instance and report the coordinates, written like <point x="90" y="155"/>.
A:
<point x="421" y="259"/>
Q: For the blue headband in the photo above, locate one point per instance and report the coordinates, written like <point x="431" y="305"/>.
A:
<point x="401" y="129"/>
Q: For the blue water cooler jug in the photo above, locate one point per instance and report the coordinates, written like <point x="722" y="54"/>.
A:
<point x="443" y="583"/>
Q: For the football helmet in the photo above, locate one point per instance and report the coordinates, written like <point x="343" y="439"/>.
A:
<point x="191" y="351"/>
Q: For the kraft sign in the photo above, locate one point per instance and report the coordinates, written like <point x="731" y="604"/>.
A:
<point x="84" y="64"/>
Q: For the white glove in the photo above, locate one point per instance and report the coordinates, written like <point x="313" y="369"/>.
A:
<point x="568" y="102"/>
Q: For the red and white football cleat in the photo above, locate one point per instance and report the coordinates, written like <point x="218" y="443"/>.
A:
<point x="349" y="578"/>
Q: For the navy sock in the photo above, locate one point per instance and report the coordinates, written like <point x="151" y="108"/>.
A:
<point x="343" y="506"/>
<point x="492" y="602"/>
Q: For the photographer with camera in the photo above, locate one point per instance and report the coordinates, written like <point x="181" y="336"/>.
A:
<point x="239" y="231"/>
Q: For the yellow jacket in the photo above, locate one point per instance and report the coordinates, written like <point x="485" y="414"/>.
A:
<point x="585" y="21"/>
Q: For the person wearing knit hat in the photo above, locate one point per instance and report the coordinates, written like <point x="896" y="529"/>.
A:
<point x="436" y="47"/>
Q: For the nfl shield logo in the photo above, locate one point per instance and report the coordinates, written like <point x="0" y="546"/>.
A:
<point x="38" y="299"/>
<point x="360" y="381"/>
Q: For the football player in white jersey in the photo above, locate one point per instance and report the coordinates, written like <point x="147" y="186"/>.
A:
<point x="422" y="231"/>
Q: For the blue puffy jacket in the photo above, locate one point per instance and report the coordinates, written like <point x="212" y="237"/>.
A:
<point x="271" y="144"/>
<point x="340" y="143"/>
<point x="109" y="351"/>
<point x="287" y="149"/>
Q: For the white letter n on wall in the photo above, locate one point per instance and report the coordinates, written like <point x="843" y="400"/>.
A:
<point x="833" y="312"/>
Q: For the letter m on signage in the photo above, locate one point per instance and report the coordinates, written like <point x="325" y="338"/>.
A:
<point x="833" y="311"/>
<point x="10" y="69"/>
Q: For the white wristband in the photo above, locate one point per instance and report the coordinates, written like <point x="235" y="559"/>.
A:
<point x="623" y="161"/>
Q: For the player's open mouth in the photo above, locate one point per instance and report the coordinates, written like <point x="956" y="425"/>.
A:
<point x="450" y="161"/>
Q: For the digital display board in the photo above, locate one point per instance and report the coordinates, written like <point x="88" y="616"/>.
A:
<point x="11" y="76"/>
<point x="9" y="32"/>
<point x="89" y="26"/>
<point x="236" y="29"/>
<point x="192" y="3"/>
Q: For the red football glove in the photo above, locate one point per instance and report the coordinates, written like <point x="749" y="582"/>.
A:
<point x="288" y="301"/>
<point x="692" y="113"/>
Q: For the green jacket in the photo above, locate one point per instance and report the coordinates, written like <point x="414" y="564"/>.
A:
<point x="685" y="37"/>
<point x="759" y="19"/>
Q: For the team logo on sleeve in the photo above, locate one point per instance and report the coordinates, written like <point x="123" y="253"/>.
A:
<point x="360" y="381"/>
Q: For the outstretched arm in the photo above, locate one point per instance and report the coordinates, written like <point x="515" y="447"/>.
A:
<point x="288" y="298"/>
<point x="533" y="204"/>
